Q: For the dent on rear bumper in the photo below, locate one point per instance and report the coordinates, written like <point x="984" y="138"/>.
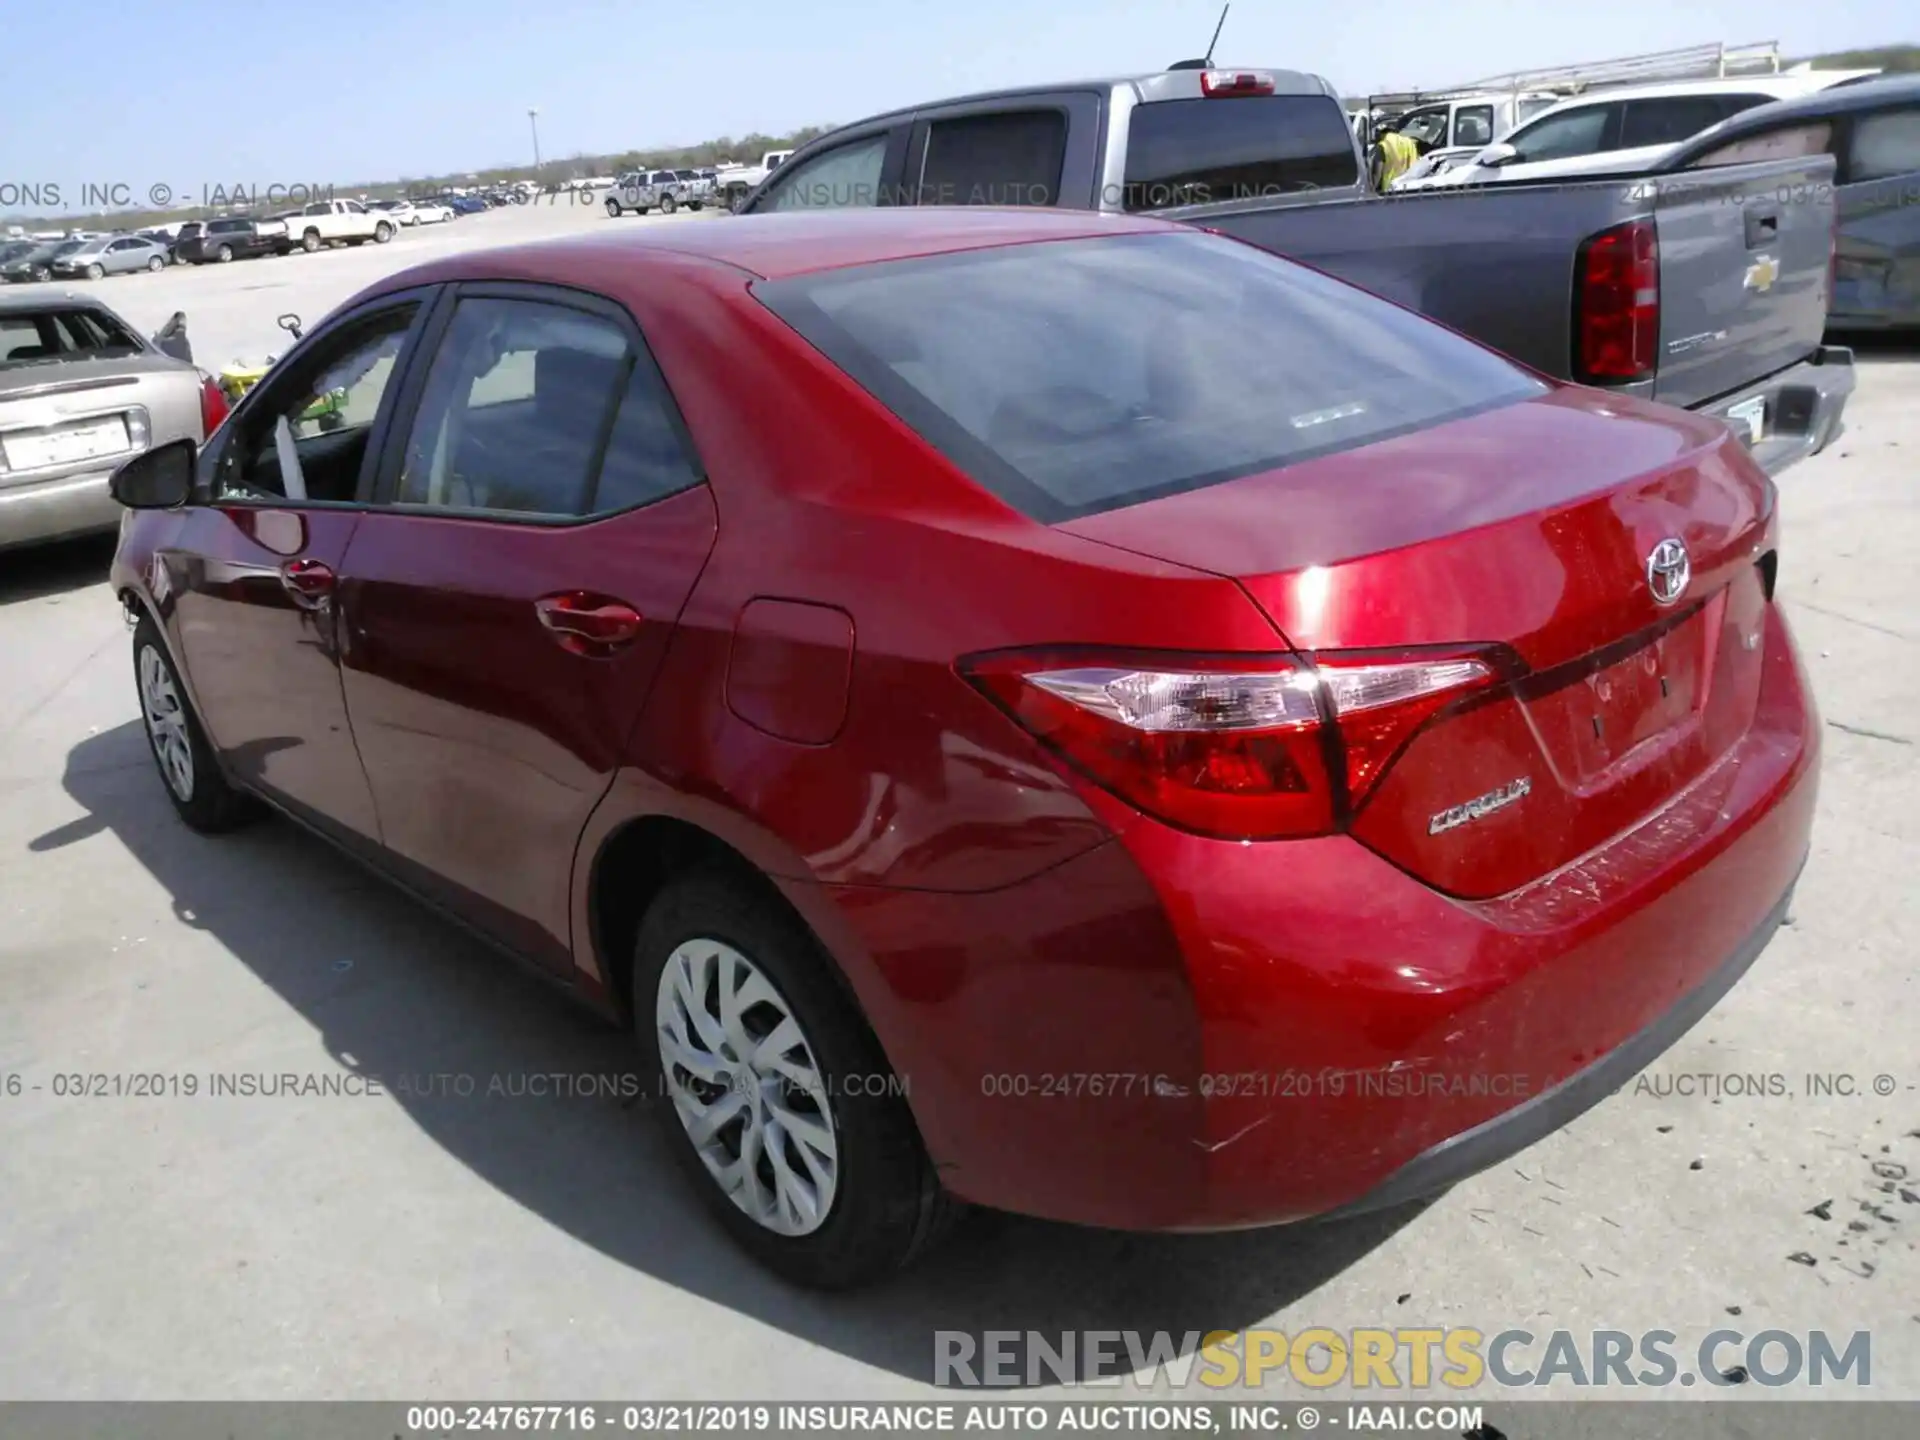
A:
<point x="1265" y="1033"/>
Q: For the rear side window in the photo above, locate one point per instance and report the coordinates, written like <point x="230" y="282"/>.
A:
<point x="1679" y="117"/>
<point x="1005" y="159"/>
<point x="846" y="176"/>
<point x="1195" y="152"/>
<point x="1078" y="376"/>
<point x="1885" y="145"/>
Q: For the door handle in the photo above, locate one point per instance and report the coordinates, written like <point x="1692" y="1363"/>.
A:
<point x="584" y="623"/>
<point x="310" y="582"/>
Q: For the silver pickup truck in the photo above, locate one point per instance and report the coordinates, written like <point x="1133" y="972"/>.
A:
<point x="1706" y="290"/>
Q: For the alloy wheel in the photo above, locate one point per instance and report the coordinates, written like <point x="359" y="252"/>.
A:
<point x="746" y="1087"/>
<point x="166" y="721"/>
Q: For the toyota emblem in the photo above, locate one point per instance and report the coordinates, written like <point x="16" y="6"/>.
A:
<point x="1668" y="570"/>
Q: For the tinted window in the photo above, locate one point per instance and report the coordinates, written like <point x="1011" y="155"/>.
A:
<point x="1005" y="159"/>
<point x="1885" y="145"/>
<point x="1473" y="125"/>
<point x="848" y="175"/>
<point x="1572" y="132"/>
<point x="514" y="409"/>
<point x="1190" y="152"/>
<point x="1679" y="117"/>
<point x="1079" y="376"/>
<point x="646" y="456"/>
<point x="228" y="227"/>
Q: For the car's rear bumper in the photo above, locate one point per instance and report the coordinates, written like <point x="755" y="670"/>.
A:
<point x="1176" y="1033"/>
<point x="1803" y="407"/>
<point x="42" y="510"/>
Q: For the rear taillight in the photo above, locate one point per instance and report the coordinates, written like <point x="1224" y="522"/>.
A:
<point x="213" y="406"/>
<point x="1616" y="305"/>
<point x="1220" y="83"/>
<point x="1243" y="747"/>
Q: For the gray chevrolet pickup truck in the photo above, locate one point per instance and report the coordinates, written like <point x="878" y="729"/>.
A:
<point x="1706" y="290"/>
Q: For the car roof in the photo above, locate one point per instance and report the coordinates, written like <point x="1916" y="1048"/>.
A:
<point x="28" y="302"/>
<point x="1782" y="87"/>
<point x="792" y="243"/>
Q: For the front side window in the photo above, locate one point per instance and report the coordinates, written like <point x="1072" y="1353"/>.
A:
<point x="520" y="395"/>
<point x="1585" y="131"/>
<point x="1789" y="142"/>
<point x="845" y="177"/>
<point x="307" y="440"/>
<point x="1078" y="376"/>
<point x="1473" y="125"/>
<point x="1195" y="152"/>
<point x="1012" y="158"/>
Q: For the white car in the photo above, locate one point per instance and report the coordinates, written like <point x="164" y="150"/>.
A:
<point x="1619" y="131"/>
<point x="328" y="222"/>
<point x="431" y="212"/>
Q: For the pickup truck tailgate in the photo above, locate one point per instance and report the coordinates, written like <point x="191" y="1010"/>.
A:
<point x="1744" y="263"/>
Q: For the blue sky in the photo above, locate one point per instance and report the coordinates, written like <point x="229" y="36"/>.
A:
<point x="354" y="90"/>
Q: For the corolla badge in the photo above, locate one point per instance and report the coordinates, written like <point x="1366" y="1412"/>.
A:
<point x="1668" y="570"/>
<point x="1480" y="806"/>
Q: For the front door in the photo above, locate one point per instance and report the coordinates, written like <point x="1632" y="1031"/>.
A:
<point x="255" y="579"/>
<point x="508" y="600"/>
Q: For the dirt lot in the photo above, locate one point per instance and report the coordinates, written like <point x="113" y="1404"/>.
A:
<point x="416" y="1245"/>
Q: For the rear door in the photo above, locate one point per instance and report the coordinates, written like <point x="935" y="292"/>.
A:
<point x="1877" y="274"/>
<point x="505" y="605"/>
<point x="1033" y="150"/>
<point x="1744" y="253"/>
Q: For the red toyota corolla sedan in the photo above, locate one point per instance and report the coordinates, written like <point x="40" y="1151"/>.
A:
<point x="1063" y="712"/>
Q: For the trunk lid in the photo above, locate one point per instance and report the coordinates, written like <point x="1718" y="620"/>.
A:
<point x="1528" y="529"/>
<point x="1744" y="254"/>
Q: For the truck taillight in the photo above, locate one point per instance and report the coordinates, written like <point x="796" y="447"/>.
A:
<point x="1616" y="305"/>
<point x="213" y="406"/>
<point x="1221" y="83"/>
<point x="1242" y="747"/>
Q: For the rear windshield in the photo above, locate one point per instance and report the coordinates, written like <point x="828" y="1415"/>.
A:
<point x="1079" y="376"/>
<point x="36" y="337"/>
<point x="1198" y="152"/>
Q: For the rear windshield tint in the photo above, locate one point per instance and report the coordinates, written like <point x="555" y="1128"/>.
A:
<point x="1199" y="152"/>
<point x="1079" y="376"/>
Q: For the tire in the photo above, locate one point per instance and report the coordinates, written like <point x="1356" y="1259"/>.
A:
<point x="883" y="1206"/>
<point x="96" y="272"/>
<point x="155" y="265"/>
<point x="667" y="204"/>
<point x="310" y="242"/>
<point x="189" y="773"/>
<point x="223" y="254"/>
<point x="641" y="209"/>
<point x="382" y="233"/>
<point x="613" y="208"/>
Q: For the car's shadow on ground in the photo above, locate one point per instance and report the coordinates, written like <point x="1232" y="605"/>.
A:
<point x="395" y="992"/>
<point x="36" y="571"/>
<point x="1879" y="346"/>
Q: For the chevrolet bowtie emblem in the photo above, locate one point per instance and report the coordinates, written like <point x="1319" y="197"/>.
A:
<point x="1762" y="273"/>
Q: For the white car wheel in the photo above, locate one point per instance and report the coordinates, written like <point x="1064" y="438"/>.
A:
<point x="166" y="724"/>
<point x="746" y="1087"/>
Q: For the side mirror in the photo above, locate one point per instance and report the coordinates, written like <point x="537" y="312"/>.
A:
<point x="161" y="479"/>
<point x="291" y="324"/>
<point x="1497" y="155"/>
